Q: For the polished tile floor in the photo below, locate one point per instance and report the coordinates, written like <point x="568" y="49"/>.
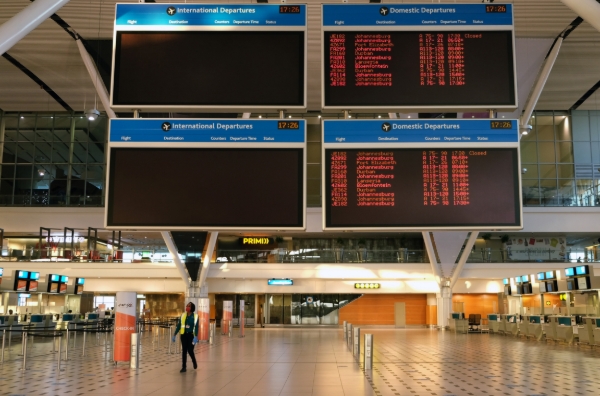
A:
<point x="303" y="362"/>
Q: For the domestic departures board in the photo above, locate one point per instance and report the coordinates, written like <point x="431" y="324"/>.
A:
<point x="433" y="56"/>
<point x="207" y="56"/>
<point x="206" y="174"/>
<point x="434" y="174"/>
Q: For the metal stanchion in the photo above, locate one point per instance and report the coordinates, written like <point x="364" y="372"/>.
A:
<point x="67" y="345"/>
<point x="134" y="361"/>
<point x="3" y="338"/>
<point x="24" y="352"/>
<point x="356" y="350"/>
<point x="211" y="332"/>
<point x="83" y="347"/>
<point x="59" y="346"/>
<point x="368" y="352"/>
<point x="170" y="337"/>
<point x="349" y="336"/>
<point x="22" y="343"/>
<point x="230" y="328"/>
<point x="9" y="337"/>
<point x="345" y="328"/>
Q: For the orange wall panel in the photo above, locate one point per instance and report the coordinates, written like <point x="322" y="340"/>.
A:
<point x="431" y="314"/>
<point x="378" y="309"/>
<point x="477" y="303"/>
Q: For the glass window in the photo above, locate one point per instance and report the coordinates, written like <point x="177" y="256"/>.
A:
<point x="565" y="152"/>
<point x="43" y="152"/>
<point x="9" y="152"/>
<point x="7" y="171"/>
<point x="546" y="152"/>
<point x="566" y="171"/>
<point x="529" y="152"/>
<point x="547" y="171"/>
<point x="544" y="128"/>
<point x="275" y="302"/>
<point x="563" y="128"/>
<point x="529" y="171"/>
<point x="531" y="192"/>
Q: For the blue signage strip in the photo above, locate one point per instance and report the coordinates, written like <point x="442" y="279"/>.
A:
<point x="430" y="14"/>
<point x="280" y="282"/>
<point x="206" y="131"/>
<point x="147" y="14"/>
<point x="421" y="131"/>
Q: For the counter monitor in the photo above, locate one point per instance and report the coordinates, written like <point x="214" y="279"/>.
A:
<point x="549" y="274"/>
<point x="524" y="278"/>
<point x="571" y="285"/>
<point x="54" y="278"/>
<point x="34" y="275"/>
<point x="22" y="274"/>
<point x="570" y="272"/>
<point x="517" y="279"/>
<point x="64" y="279"/>
<point x="505" y="281"/>
<point x="79" y="281"/>
<point x="582" y="270"/>
<point x="541" y="276"/>
<point x="53" y="287"/>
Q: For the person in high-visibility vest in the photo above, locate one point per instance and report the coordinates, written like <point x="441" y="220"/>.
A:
<point x="187" y="327"/>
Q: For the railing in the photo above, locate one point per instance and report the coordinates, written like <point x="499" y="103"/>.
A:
<point x="51" y="200"/>
<point x="336" y="255"/>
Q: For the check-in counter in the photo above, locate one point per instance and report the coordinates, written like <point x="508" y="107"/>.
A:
<point x="534" y="327"/>
<point x="549" y="328"/>
<point x="524" y="326"/>
<point x="41" y="320"/>
<point x="564" y="328"/>
<point x="510" y="324"/>
<point x="596" y="331"/>
<point x="586" y="331"/>
<point x="493" y="322"/>
<point x="459" y="325"/>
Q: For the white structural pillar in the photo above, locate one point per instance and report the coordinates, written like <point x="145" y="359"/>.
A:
<point x="176" y="259"/>
<point x="96" y="80"/>
<point x="212" y="242"/>
<point x="446" y="246"/>
<point x="540" y="83"/>
<point x="589" y="10"/>
<point x="19" y="26"/>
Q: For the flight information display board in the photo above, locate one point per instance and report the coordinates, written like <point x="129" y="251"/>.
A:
<point x="421" y="174"/>
<point x="418" y="57"/>
<point x="209" y="174"/>
<point x="206" y="56"/>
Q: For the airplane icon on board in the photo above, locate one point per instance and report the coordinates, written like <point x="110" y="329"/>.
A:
<point x="171" y="10"/>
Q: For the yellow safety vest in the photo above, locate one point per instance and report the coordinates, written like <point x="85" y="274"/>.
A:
<point x="183" y="318"/>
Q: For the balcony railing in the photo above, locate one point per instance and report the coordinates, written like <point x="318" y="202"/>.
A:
<point x="336" y="255"/>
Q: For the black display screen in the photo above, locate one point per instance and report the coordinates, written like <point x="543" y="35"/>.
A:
<point x="206" y="187"/>
<point x="421" y="68"/>
<point x="209" y="68"/>
<point x="422" y="187"/>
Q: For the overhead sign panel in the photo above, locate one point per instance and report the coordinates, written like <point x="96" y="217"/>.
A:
<point x="421" y="174"/>
<point x="221" y="57"/>
<point x="418" y="56"/>
<point x="207" y="174"/>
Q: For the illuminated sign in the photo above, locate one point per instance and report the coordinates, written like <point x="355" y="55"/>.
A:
<point x="23" y="274"/>
<point x="505" y="281"/>
<point x="367" y="285"/>
<point x="54" y="278"/>
<point x="582" y="270"/>
<point x="280" y="282"/>
<point x="64" y="279"/>
<point x="525" y="278"/>
<point x="541" y="276"/>
<point x="256" y="241"/>
<point x="570" y="271"/>
<point x="34" y="275"/>
<point x="518" y="279"/>
<point x="549" y="274"/>
<point x="1" y="271"/>
<point x="80" y="281"/>
<point x="24" y="295"/>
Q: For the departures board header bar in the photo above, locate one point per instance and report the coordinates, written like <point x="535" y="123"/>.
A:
<point x="172" y="130"/>
<point x="420" y="131"/>
<point x="181" y="15"/>
<point x="435" y="14"/>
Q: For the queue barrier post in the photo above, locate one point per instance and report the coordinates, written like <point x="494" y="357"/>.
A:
<point x="170" y="337"/>
<point x="356" y="349"/>
<point x="3" y="338"/>
<point x="349" y="336"/>
<point x="134" y="361"/>
<point x="24" y="367"/>
<point x="368" y="361"/>
<point x="59" y="347"/>
<point x="83" y="348"/>
<point x="230" y="332"/>
<point x="211" y="333"/>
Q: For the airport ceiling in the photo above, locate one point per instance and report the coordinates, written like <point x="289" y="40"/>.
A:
<point x="51" y="54"/>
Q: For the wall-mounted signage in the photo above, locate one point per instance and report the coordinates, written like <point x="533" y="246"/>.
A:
<point x="34" y="275"/>
<point x="54" y="278"/>
<point x="64" y="279"/>
<point x="550" y="275"/>
<point x="22" y="274"/>
<point x="367" y="285"/>
<point x="79" y="285"/>
<point x="256" y="241"/>
<point x="280" y="282"/>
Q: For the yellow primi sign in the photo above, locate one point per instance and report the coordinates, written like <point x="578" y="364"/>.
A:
<point x="256" y="241"/>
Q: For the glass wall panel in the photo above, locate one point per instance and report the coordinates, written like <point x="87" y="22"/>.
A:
<point x="529" y="152"/>
<point x="546" y="152"/>
<point x="565" y="152"/>
<point x="547" y="171"/>
<point x="566" y="171"/>
<point x="544" y="128"/>
<point x="529" y="171"/>
<point x="563" y="128"/>
<point x="275" y="306"/>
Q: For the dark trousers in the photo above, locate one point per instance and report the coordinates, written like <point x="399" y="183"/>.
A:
<point x="187" y="347"/>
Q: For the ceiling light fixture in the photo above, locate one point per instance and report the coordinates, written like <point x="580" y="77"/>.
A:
<point x="92" y="114"/>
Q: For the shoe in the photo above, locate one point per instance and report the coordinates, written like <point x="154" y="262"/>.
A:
<point x="182" y="370"/>
<point x="195" y="365"/>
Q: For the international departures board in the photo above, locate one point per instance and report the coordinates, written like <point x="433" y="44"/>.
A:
<point x="421" y="174"/>
<point x="418" y="56"/>
<point x="221" y="57"/>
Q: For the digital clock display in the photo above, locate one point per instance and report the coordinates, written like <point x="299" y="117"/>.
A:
<point x="289" y="9"/>
<point x="288" y="125"/>
<point x="501" y="124"/>
<point x="495" y="8"/>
